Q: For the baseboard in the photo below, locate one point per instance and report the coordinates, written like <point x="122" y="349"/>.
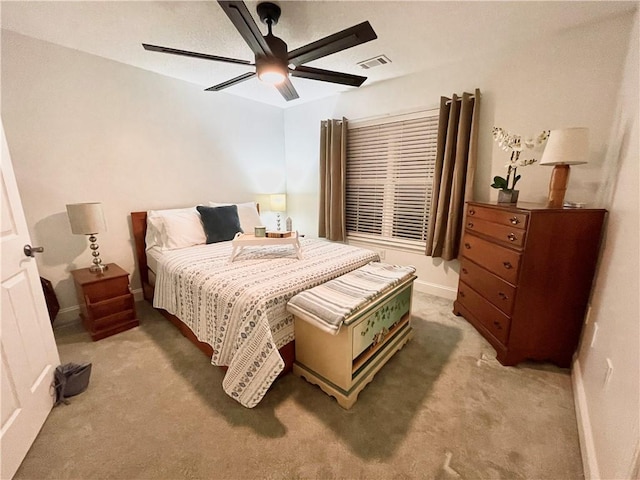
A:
<point x="71" y="315"/>
<point x="435" y="289"/>
<point x="585" y="433"/>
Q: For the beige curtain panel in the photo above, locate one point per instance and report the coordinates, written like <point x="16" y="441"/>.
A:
<point x="333" y="158"/>
<point x="454" y="171"/>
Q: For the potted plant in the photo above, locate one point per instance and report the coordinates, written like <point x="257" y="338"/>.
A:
<point x="516" y="145"/>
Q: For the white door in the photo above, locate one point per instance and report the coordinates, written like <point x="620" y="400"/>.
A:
<point x="29" y="352"/>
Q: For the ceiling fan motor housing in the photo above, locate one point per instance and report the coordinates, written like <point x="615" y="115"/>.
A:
<point x="278" y="61"/>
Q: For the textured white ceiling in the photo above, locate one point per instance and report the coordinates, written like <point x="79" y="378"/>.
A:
<point x="416" y="35"/>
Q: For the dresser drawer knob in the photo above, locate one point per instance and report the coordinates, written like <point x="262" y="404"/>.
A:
<point x="512" y="237"/>
<point x="461" y="293"/>
<point x="502" y="295"/>
<point x="472" y="211"/>
<point x="496" y="323"/>
<point x="507" y="265"/>
<point x="514" y="220"/>
<point x="467" y="246"/>
<point x="465" y="271"/>
<point x="470" y="225"/>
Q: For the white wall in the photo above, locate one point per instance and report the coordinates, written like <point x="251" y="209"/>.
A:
<point x="83" y="128"/>
<point x="609" y="409"/>
<point x="568" y="80"/>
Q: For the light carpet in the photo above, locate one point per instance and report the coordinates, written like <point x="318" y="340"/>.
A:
<point x="442" y="408"/>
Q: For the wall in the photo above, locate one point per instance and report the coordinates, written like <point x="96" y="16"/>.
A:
<point x="608" y="403"/>
<point x="568" y="80"/>
<point x="83" y="128"/>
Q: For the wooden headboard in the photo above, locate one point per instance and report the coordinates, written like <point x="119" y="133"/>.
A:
<point x="139" y="224"/>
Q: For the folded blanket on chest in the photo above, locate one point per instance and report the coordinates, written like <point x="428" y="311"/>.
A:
<point x="328" y="305"/>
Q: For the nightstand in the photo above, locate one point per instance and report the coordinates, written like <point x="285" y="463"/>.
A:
<point x="106" y="302"/>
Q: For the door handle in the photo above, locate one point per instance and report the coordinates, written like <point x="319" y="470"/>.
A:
<point x="29" y="250"/>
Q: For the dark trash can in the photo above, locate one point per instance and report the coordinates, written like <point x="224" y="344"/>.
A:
<point x="50" y="297"/>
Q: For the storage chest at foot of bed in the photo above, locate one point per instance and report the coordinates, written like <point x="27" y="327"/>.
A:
<point x="343" y="364"/>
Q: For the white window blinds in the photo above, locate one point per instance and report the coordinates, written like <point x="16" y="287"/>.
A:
<point x="390" y="167"/>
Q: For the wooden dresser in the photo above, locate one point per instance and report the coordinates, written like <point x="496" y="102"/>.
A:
<point x="525" y="277"/>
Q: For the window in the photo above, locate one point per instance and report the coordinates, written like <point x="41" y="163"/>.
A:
<point x="390" y="168"/>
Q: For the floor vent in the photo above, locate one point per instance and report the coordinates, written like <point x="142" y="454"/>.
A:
<point x="374" y="62"/>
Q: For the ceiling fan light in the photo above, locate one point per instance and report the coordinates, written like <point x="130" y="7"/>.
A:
<point x="271" y="76"/>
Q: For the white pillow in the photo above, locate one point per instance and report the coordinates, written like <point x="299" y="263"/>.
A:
<point x="247" y="212"/>
<point x="175" y="228"/>
<point x="153" y="236"/>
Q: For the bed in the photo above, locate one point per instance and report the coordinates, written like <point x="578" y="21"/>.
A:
<point x="235" y="312"/>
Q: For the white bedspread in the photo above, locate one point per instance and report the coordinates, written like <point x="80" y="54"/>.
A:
<point x="239" y="308"/>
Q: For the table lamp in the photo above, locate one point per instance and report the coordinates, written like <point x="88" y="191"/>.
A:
<point x="565" y="147"/>
<point x="278" y="203"/>
<point x="88" y="219"/>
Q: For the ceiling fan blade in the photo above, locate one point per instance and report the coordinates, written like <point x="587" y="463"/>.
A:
<point x="287" y="90"/>
<point x="230" y="83"/>
<point x="328" y="76"/>
<point x="244" y="23"/>
<point x="184" y="53"/>
<point x="337" y="42"/>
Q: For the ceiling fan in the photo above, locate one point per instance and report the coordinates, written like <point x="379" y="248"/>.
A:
<point x="273" y="62"/>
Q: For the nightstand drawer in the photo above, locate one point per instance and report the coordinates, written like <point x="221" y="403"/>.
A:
<point x="108" y="307"/>
<point x="506" y="234"/>
<point x="502" y="217"/>
<point x="493" y="288"/>
<point x="106" y="289"/>
<point x="496" y="322"/>
<point x="502" y="261"/>
<point x="103" y="324"/>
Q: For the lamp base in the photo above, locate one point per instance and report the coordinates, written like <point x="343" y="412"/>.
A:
<point x="98" y="268"/>
<point x="558" y="186"/>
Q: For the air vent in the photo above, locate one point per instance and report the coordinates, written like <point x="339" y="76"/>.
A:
<point x="374" y="62"/>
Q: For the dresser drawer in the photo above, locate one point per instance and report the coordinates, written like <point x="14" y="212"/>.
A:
<point x="502" y="233"/>
<point x="496" y="322"/>
<point x="502" y="217"/>
<point x="493" y="288"/>
<point x="501" y="261"/>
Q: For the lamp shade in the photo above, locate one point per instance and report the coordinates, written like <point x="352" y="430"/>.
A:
<point x="86" y="218"/>
<point x="278" y="202"/>
<point x="568" y="146"/>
